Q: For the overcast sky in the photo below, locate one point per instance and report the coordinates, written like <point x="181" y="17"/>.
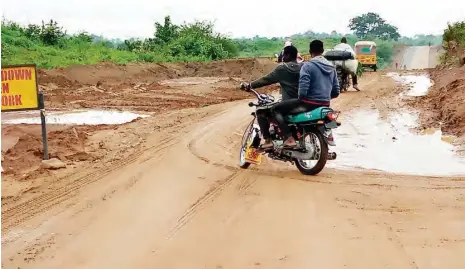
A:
<point x="238" y="18"/>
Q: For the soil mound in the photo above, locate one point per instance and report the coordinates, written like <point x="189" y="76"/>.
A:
<point x="445" y="102"/>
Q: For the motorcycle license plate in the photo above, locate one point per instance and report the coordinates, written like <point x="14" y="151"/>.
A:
<point x="252" y="156"/>
<point x="331" y="124"/>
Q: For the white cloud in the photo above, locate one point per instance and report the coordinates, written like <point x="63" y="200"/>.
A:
<point x="238" y="18"/>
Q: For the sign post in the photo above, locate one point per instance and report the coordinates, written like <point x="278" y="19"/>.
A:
<point x="20" y="92"/>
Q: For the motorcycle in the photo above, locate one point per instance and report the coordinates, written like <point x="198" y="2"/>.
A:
<point x="344" y="61"/>
<point x="343" y="78"/>
<point x="312" y="131"/>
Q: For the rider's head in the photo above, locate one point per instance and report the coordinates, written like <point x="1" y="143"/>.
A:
<point x="344" y="40"/>
<point x="316" y="48"/>
<point x="290" y="54"/>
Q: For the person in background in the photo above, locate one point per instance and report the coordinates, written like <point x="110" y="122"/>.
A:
<point x="318" y="84"/>
<point x="286" y="44"/>
<point x="344" y="46"/>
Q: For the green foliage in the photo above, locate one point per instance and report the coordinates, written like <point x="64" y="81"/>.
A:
<point x="49" y="46"/>
<point x="455" y="33"/>
<point x="371" y="24"/>
<point x="454" y="43"/>
<point x="197" y="40"/>
<point x="165" y="33"/>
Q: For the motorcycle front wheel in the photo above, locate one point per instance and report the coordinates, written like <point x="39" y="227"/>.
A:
<point x="247" y="140"/>
<point x="315" y="142"/>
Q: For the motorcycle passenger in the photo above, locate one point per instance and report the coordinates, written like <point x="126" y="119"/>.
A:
<point x="344" y="46"/>
<point x="318" y="84"/>
<point x="287" y="74"/>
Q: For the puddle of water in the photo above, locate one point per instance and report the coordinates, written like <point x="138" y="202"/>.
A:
<point x="88" y="117"/>
<point x="419" y="84"/>
<point x="365" y="141"/>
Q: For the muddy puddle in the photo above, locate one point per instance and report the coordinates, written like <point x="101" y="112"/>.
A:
<point x="77" y="117"/>
<point x="418" y="84"/>
<point x="366" y="141"/>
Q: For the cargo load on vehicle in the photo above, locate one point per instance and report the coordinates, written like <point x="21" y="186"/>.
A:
<point x="343" y="58"/>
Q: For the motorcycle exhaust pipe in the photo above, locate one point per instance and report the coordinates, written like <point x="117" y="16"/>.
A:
<point x="332" y="155"/>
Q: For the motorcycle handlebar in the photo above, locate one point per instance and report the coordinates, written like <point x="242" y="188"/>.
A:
<point x="261" y="97"/>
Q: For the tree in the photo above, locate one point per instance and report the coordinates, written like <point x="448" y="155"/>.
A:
<point x="371" y="24"/>
<point x="51" y="33"/>
<point x="165" y="33"/>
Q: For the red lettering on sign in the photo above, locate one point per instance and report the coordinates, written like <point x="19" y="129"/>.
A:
<point x="12" y="100"/>
<point x="27" y="74"/>
<point x="5" y="88"/>
<point x="11" y="75"/>
<point x="18" y="100"/>
<point x="19" y="74"/>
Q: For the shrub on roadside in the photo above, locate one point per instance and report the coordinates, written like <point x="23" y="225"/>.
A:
<point x="48" y="46"/>
<point x="454" y="43"/>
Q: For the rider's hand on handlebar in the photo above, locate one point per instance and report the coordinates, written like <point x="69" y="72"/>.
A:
<point x="245" y="86"/>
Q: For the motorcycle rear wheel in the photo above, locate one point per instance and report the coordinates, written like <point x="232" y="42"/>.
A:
<point x="322" y="151"/>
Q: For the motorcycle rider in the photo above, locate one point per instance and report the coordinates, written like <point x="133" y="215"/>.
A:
<point x="344" y="46"/>
<point x="318" y="84"/>
<point x="280" y="56"/>
<point x="287" y="74"/>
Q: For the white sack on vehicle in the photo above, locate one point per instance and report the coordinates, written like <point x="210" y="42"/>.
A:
<point x="349" y="66"/>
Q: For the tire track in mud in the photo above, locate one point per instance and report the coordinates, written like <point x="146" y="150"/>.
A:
<point x="198" y="205"/>
<point x="18" y="214"/>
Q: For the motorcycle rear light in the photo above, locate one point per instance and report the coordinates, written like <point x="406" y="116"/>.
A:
<point x="331" y="116"/>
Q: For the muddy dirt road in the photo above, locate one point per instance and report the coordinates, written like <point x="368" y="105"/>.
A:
<point x="181" y="202"/>
<point x="420" y="57"/>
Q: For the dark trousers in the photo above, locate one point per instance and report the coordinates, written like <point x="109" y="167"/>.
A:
<point x="354" y="79"/>
<point x="263" y="119"/>
<point x="292" y="106"/>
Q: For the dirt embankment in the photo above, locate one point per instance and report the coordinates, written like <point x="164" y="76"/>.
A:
<point x="142" y="87"/>
<point x="155" y="88"/>
<point x="444" y="105"/>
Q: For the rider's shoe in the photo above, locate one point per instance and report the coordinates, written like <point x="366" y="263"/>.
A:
<point x="356" y="87"/>
<point x="290" y="143"/>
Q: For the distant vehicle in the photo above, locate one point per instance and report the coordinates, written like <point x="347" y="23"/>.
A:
<point x="366" y="54"/>
<point x="345" y="64"/>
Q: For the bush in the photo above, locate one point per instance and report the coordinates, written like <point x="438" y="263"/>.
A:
<point x="455" y="33"/>
<point x="49" y="46"/>
<point x="454" y="43"/>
